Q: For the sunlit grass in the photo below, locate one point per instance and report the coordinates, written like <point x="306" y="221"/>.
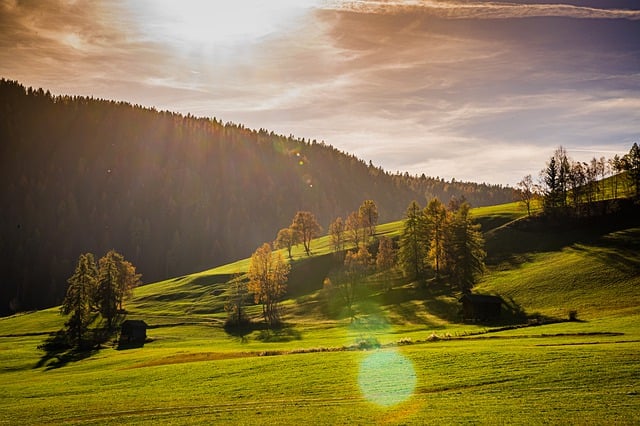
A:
<point x="193" y="371"/>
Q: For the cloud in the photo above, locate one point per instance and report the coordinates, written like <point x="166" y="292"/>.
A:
<point x="480" y="9"/>
<point x="429" y="87"/>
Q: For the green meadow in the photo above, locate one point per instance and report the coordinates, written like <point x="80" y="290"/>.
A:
<point x="407" y="359"/>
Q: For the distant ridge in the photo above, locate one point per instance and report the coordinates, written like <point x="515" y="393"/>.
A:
<point x="173" y="193"/>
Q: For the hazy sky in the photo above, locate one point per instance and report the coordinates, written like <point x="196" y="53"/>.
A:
<point x="472" y="90"/>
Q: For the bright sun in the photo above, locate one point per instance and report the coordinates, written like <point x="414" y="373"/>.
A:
<point x="206" y="22"/>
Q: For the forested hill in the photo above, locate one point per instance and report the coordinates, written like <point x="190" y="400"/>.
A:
<point x="173" y="193"/>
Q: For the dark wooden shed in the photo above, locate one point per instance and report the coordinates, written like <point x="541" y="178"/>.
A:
<point x="133" y="331"/>
<point x="480" y="307"/>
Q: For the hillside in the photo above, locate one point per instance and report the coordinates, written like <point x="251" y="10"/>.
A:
<point x="172" y="193"/>
<point x="193" y="371"/>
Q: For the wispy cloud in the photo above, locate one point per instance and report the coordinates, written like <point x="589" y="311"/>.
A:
<point x="463" y="89"/>
<point x="480" y="9"/>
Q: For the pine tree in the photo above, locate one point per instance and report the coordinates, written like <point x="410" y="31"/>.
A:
<point x="465" y="249"/>
<point x="436" y="219"/>
<point x="413" y="250"/>
<point x="109" y="279"/>
<point x="77" y="302"/>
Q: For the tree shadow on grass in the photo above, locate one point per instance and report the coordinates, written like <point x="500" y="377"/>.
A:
<point x="281" y="334"/>
<point x="60" y="352"/>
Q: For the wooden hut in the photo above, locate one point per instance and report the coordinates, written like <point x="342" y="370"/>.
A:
<point x="480" y="307"/>
<point x="133" y="331"/>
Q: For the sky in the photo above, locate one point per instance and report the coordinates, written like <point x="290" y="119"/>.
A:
<point x="472" y="90"/>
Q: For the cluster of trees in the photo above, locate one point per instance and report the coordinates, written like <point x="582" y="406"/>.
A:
<point x="96" y="288"/>
<point x="565" y="184"/>
<point x="174" y="193"/>
<point x="444" y="241"/>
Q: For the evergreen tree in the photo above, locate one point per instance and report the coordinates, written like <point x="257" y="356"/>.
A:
<point x="632" y="166"/>
<point x="436" y="219"/>
<point x="109" y="286"/>
<point x="77" y="302"/>
<point x="413" y="249"/>
<point x="465" y="249"/>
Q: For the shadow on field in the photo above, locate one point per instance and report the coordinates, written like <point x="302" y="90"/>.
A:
<point x="58" y="351"/>
<point x="513" y="245"/>
<point x="278" y="335"/>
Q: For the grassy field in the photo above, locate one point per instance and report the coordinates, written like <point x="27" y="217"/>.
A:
<point x="407" y="360"/>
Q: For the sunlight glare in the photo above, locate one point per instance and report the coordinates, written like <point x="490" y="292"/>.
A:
<point x="387" y="378"/>
<point x="208" y="22"/>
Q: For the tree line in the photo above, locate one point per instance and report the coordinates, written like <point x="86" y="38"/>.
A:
<point x="174" y="193"/>
<point x="568" y="186"/>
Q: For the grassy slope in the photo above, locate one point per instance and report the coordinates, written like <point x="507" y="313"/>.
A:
<point x="195" y="372"/>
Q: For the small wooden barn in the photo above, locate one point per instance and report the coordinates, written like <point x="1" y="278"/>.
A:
<point x="480" y="307"/>
<point x="133" y="331"/>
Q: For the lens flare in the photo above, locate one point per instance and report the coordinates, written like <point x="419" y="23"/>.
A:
<point x="387" y="378"/>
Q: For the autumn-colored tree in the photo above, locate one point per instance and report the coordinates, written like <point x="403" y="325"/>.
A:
<point x="368" y="213"/>
<point x="306" y="225"/>
<point x="129" y="280"/>
<point x="357" y="265"/>
<point x="465" y="249"/>
<point x="336" y="231"/>
<point x="77" y="302"/>
<point x="413" y="249"/>
<point x="268" y="274"/>
<point x="287" y="238"/>
<point x="436" y="221"/>
<point x="354" y="230"/>
<point x="385" y="259"/>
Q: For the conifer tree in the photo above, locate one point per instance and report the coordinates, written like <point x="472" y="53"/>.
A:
<point x="77" y="302"/>
<point x="413" y="250"/>
<point x="632" y="166"/>
<point x="465" y="249"/>
<point x="436" y="219"/>
<point x="109" y="285"/>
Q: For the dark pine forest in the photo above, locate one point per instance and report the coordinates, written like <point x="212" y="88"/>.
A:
<point x="174" y="194"/>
